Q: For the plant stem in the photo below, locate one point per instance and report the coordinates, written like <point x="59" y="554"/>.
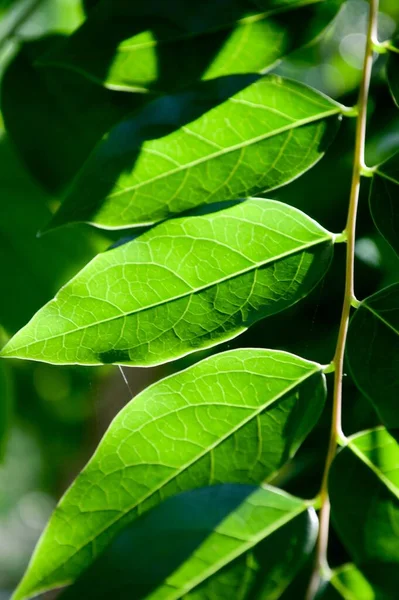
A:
<point x="321" y="565"/>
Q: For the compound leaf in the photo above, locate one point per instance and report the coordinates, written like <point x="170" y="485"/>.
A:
<point x="364" y="493"/>
<point x="373" y="352"/>
<point x="208" y="543"/>
<point x="157" y="46"/>
<point x="187" y="284"/>
<point x="233" y="418"/>
<point x="259" y="139"/>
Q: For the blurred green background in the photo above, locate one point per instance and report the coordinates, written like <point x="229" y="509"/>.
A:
<point x="55" y="416"/>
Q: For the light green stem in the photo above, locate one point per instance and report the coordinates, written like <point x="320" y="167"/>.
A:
<point x="321" y="567"/>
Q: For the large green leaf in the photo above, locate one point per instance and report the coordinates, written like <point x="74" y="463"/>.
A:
<point x="348" y="583"/>
<point x="261" y="138"/>
<point x="364" y="493"/>
<point x="384" y="200"/>
<point x="64" y="119"/>
<point x="206" y="543"/>
<point x="233" y="418"/>
<point x="373" y="352"/>
<point x="160" y="45"/>
<point x="187" y="284"/>
<point x="393" y="70"/>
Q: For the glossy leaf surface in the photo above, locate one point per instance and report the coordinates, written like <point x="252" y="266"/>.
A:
<point x="259" y="139"/>
<point x="159" y="46"/>
<point x="209" y="542"/>
<point x="232" y="418"/>
<point x="384" y="200"/>
<point x="373" y="352"/>
<point x="187" y="284"/>
<point x="348" y="583"/>
<point x="364" y="493"/>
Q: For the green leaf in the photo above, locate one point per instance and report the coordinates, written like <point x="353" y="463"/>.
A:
<point x="6" y="402"/>
<point x="348" y="583"/>
<point x="206" y="543"/>
<point x="33" y="269"/>
<point x="393" y="70"/>
<point x="364" y="494"/>
<point x="187" y="284"/>
<point x="384" y="200"/>
<point x="233" y="418"/>
<point x="64" y="119"/>
<point x="260" y="139"/>
<point x="373" y="352"/>
<point x="160" y="45"/>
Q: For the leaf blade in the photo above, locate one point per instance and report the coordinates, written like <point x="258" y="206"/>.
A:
<point x="159" y="47"/>
<point x="130" y="180"/>
<point x="365" y="506"/>
<point x="264" y="424"/>
<point x="188" y="284"/>
<point x="373" y="351"/>
<point x="383" y="202"/>
<point x="215" y="531"/>
<point x="392" y="70"/>
<point x="348" y="583"/>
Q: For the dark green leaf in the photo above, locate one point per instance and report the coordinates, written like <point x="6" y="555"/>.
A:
<point x="187" y="284"/>
<point x="33" y="269"/>
<point x="348" y="583"/>
<point x="6" y="401"/>
<point x="65" y="117"/>
<point x="232" y="418"/>
<point x="373" y="352"/>
<point x="384" y="200"/>
<point x="260" y="139"/>
<point x="393" y="70"/>
<point x="206" y="543"/>
<point x="162" y="45"/>
<point x="364" y="493"/>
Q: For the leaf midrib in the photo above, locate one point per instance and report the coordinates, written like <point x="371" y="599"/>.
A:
<point x="298" y="123"/>
<point x="384" y="480"/>
<point x="253" y="267"/>
<point x="386" y="176"/>
<point x="211" y="447"/>
<point x="380" y="318"/>
<point x="263" y="534"/>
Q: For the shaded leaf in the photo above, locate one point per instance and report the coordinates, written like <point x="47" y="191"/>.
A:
<point x="187" y="284"/>
<point x="393" y="70"/>
<point x="162" y="45"/>
<point x="64" y="119"/>
<point x="233" y="418"/>
<point x="384" y="200"/>
<point x="364" y="494"/>
<point x="373" y="352"/>
<point x="208" y="543"/>
<point x="6" y="401"/>
<point x="348" y="583"/>
<point x="33" y="269"/>
<point x="260" y="139"/>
